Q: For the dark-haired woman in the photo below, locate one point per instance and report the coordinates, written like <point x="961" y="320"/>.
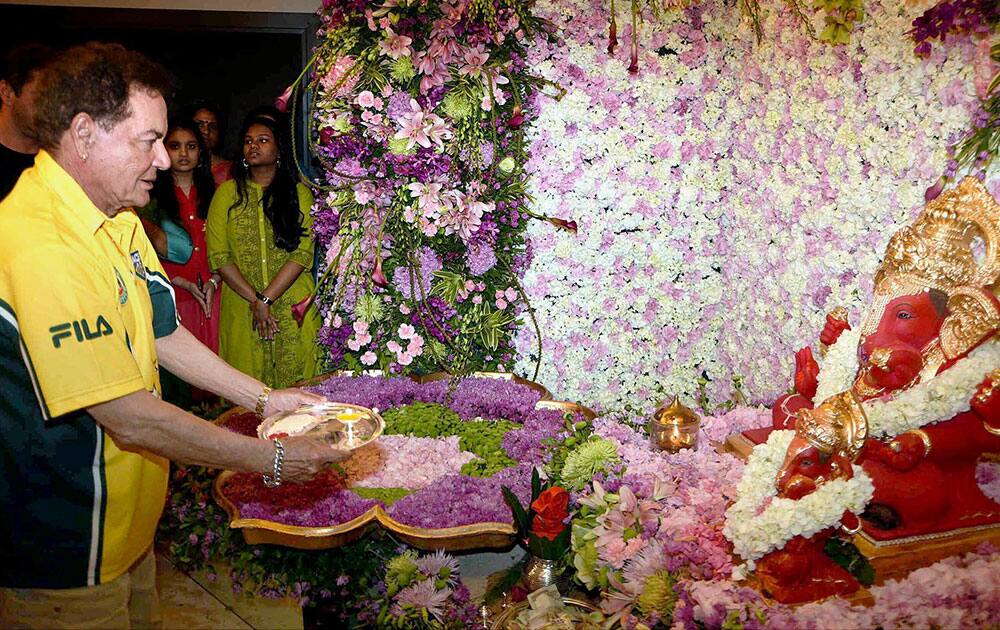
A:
<point x="209" y="125"/>
<point x="182" y="195"/>
<point x="260" y="241"/>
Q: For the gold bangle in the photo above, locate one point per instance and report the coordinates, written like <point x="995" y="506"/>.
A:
<point x="991" y="430"/>
<point x="262" y="399"/>
<point x="926" y="439"/>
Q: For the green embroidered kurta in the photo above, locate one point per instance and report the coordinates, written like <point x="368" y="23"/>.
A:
<point x="244" y="236"/>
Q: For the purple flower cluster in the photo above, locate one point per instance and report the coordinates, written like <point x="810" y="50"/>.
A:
<point x="339" y="507"/>
<point x="973" y="17"/>
<point x="461" y="500"/>
<point x="429" y="263"/>
<point x="525" y="444"/>
<point x="480" y="257"/>
<point x="471" y="397"/>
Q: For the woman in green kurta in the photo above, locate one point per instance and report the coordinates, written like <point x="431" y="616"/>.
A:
<point x="259" y="235"/>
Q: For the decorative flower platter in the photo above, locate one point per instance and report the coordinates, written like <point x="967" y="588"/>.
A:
<point x="433" y="477"/>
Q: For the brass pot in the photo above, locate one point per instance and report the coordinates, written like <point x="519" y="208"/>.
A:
<point x="674" y="427"/>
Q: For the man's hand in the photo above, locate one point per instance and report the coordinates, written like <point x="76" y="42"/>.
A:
<point x="806" y="373"/>
<point x="306" y="456"/>
<point x="289" y="400"/>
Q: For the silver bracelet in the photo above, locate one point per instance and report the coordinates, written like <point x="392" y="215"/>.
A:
<point x="274" y="480"/>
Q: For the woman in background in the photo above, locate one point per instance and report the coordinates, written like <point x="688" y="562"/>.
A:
<point x="181" y="195"/>
<point x="209" y="123"/>
<point x="260" y="241"/>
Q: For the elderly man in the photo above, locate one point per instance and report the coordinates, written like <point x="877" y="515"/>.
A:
<point x="86" y="315"/>
<point x="18" y="142"/>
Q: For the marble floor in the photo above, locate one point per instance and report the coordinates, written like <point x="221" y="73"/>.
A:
<point x="201" y="600"/>
<point x="191" y="602"/>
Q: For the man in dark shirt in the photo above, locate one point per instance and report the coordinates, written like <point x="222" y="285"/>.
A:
<point x="18" y="142"/>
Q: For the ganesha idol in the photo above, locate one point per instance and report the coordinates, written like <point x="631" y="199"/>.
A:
<point x="884" y="439"/>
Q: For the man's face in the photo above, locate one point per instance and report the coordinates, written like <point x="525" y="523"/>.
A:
<point x="123" y="160"/>
<point x="208" y="125"/>
<point x="22" y="106"/>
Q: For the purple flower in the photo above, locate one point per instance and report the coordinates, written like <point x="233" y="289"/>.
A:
<point x="480" y="258"/>
<point x="422" y="277"/>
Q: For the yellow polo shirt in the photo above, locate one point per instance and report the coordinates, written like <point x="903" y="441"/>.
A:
<point x="82" y="300"/>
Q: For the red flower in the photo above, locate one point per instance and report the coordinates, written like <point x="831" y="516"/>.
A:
<point x="516" y="119"/>
<point x="551" y="509"/>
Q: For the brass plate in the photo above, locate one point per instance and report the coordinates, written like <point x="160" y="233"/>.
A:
<point x="330" y="425"/>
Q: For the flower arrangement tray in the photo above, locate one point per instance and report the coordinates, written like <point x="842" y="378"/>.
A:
<point x="475" y="535"/>
<point x="260" y="531"/>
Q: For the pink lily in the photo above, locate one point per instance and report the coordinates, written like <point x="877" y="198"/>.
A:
<point x="299" y="309"/>
<point x="281" y="103"/>
<point x="563" y="224"/>
<point x="377" y="276"/>
<point x="934" y="191"/>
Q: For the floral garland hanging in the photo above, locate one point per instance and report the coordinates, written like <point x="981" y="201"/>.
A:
<point x="417" y="117"/>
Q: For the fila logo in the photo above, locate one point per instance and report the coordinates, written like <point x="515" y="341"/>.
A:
<point x="81" y="330"/>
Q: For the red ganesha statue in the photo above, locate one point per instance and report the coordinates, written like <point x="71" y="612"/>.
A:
<point x="924" y="370"/>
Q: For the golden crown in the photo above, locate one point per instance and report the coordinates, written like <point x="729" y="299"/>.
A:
<point x="939" y="251"/>
<point x="937" y="248"/>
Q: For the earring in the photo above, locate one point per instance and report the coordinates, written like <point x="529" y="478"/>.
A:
<point x="245" y="165"/>
<point x="277" y="162"/>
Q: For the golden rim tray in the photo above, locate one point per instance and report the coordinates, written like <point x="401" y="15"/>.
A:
<point x="461" y="538"/>
<point x="371" y="424"/>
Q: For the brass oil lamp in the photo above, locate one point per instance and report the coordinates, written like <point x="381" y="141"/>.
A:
<point x="674" y="427"/>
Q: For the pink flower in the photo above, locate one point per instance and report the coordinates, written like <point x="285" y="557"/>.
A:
<point x="369" y="358"/>
<point x="393" y="346"/>
<point x="395" y="45"/>
<point x="419" y="127"/>
<point x="281" y="103"/>
<point x="299" y="310"/>
<point x="406" y="331"/>
<point x="475" y="59"/>
<point x="404" y="358"/>
<point x="365" y="99"/>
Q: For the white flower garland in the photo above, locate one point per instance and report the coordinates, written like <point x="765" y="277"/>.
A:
<point x="840" y="366"/>
<point x="755" y="532"/>
<point x="938" y="398"/>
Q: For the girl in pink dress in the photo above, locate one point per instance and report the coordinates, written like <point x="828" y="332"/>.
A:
<point x="183" y="194"/>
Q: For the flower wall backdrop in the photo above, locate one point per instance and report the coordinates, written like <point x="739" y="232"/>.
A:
<point x="728" y="195"/>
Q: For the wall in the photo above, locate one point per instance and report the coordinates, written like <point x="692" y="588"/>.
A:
<point x="268" y="6"/>
<point x="728" y="196"/>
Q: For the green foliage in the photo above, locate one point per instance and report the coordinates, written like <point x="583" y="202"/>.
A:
<point x="482" y="438"/>
<point x="388" y="496"/>
<point x="448" y="285"/>
<point x="595" y="455"/>
<point x="845" y="554"/>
